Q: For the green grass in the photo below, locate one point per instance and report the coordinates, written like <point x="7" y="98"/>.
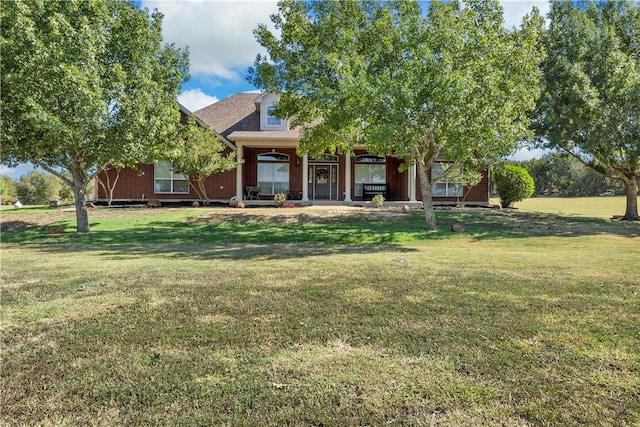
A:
<point x="303" y="317"/>
<point x="595" y="207"/>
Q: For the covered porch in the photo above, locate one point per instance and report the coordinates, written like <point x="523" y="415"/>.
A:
<point x="267" y="168"/>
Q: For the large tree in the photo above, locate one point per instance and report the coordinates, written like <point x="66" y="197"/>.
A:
<point x="85" y="84"/>
<point x="455" y="84"/>
<point x="590" y="106"/>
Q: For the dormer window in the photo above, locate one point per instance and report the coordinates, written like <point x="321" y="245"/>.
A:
<point x="272" y="120"/>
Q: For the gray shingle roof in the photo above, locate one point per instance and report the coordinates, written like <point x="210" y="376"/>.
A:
<point x="235" y="113"/>
<point x="236" y="118"/>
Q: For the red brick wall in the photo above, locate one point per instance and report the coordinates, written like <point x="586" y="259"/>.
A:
<point x="477" y="194"/>
<point x="397" y="180"/>
<point x="138" y="185"/>
<point x="250" y="167"/>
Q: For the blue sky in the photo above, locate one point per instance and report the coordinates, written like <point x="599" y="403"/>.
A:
<point x="222" y="47"/>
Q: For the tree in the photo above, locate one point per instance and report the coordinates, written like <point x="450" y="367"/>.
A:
<point x="467" y="178"/>
<point x="560" y="174"/>
<point x="37" y="188"/>
<point x="8" y="190"/>
<point x="591" y="102"/>
<point x="199" y="154"/>
<point x="85" y="84"/>
<point x="109" y="183"/>
<point x="513" y="183"/>
<point x="454" y="85"/>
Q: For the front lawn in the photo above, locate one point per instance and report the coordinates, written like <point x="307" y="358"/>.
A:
<point x="319" y="317"/>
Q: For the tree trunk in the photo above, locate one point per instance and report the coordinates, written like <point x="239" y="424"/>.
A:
<point x="631" y="212"/>
<point x="109" y="187"/>
<point x="78" y="183"/>
<point x="82" y="217"/>
<point x="427" y="198"/>
<point x="203" y="190"/>
<point x="199" y="189"/>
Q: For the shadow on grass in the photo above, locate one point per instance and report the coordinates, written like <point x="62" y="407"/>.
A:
<point x="514" y="224"/>
<point x="245" y="235"/>
<point x="17" y="226"/>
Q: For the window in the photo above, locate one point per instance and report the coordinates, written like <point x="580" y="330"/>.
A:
<point x="369" y="170"/>
<point x="273" y="173"/>
<point x="167" y="181"/>
<point x="448" y="187"/>
<point x="324" y="158"/>
<point x="271" y="119"/>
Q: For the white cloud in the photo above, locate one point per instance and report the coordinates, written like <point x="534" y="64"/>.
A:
<point x="195" y="99"/>
<point x="16" y="172"/>
<point x="514" y="10"/>
<point x="219" y="33"/>
<point x="5" y="170"/>
<point x="527" y="154"/>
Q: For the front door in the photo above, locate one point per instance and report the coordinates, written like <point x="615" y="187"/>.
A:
<point x="323" y="182"/>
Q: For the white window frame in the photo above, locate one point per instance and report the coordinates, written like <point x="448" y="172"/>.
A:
<point x="173" y="178"/>
<point x="368" y="161"/>
<point x="451" y="188"/>
<point x="271" y="120"/>
<point x="270" y="162"/>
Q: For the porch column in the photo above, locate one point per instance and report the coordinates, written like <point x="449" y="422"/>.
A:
<point x="347" y="178"/>
<point x="305" y="178"/>
<point x="412" y="182"/>
<point x="239" y="192"/>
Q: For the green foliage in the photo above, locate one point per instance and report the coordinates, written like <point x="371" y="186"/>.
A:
<point x="199" y="153"/>
<point x="562" y="175"/>
<point x="466" y="178"/>
<point x="455" y="84"/>
<point x="85" y="84"/>
<point x="38" y="188"/>
<point x="280" y="199"/>
<point x="377" y="200"/>
<point x="591" y="101"/>
<point x="513" y="183"/>
<point x="8" y="190"/>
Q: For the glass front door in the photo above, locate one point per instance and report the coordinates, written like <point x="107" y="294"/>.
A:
<point x="323" y="182"/>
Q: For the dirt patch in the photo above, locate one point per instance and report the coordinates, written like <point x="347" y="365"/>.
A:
<point x="296" y="216"/>
<point x="12" y="226"/>
<point x="41" y="218"/>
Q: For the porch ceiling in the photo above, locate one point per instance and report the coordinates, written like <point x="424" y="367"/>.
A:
<point x="266" y="139"/>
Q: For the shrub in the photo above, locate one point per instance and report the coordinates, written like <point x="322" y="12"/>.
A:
<point x="513" y="184"/>
<point x="378" y="200"/>
<point x="280" y="198"/>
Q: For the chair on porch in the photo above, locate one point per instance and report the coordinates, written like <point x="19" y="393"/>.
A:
<point x="252" y="193"/>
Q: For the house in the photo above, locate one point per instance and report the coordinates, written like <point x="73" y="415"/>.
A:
<point x="266" y="147"/>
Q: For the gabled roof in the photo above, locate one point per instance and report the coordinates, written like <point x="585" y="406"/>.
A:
<point x="238" y="117"/>
<point x="188" y="113"/>
<point x="236" y="113"/>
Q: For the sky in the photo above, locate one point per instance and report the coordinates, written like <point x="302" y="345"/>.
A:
<point x="222" y="47"/>
<point x="219" y="35"/>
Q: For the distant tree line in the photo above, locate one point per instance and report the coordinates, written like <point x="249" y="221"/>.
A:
<point x="559" y="174"/>
<point x="36" y="188"/>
